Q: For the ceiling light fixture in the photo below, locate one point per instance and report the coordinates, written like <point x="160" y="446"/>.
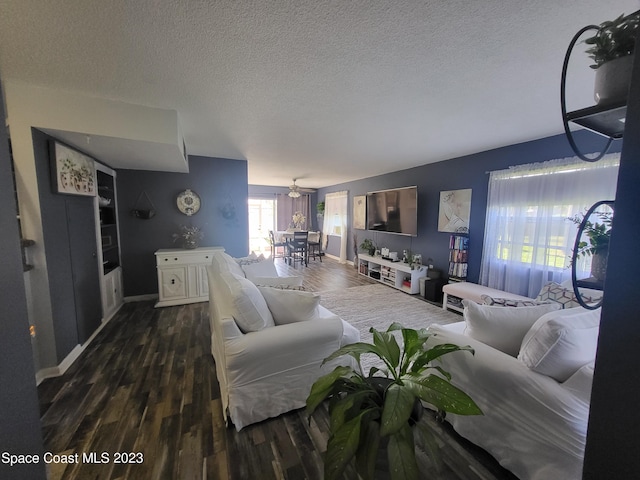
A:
<point x="294" y="194"/>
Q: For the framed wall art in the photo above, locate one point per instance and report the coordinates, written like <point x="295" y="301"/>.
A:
<point x="360" y="212"/>
<point x="73" y="173"/>
<point x="455" y="210"/>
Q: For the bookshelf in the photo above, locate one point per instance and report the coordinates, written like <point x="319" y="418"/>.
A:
<point x="458" y="257"/>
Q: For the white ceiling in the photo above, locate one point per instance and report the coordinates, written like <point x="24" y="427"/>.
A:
<point x="325" y="91"/>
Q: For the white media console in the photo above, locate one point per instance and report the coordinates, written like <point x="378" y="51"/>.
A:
<point x="395" y="274"/>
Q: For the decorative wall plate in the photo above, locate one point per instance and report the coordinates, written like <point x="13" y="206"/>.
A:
<point x="188" y="202"/>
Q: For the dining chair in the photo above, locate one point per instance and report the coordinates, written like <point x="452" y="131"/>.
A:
<point x="275" y="245"/>
<point x="298" y="249"/>
<point x="315" y="246"/>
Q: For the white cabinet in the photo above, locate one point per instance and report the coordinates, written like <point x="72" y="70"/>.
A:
<point x="112" y="297"/>
<point x="395" y="274"/>
<point x="182" y="275"/>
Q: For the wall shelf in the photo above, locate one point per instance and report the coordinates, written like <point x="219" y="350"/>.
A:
<point x="606" y="120"/>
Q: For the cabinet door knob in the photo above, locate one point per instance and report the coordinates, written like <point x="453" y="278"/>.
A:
<point x="173" y="281"/>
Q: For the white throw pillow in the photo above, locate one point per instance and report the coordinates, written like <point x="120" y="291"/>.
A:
<point x="250" y="309"/>
<point x="289" y="306"/>
<point x="293" y="281"/>
<point x="263" y="268"/>
<point x="559" y="343"/>
<point x="499" y="327"/>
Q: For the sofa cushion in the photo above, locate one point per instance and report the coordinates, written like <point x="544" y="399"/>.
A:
<point x="249" y="308"/>
<point x="260" y="268"/>
<point x="554" y="292"/>
<point x="559" y="343"/>
<point x="289" y="306"/>
<point x="223" y="262"/>
<point x="499" y="327"/>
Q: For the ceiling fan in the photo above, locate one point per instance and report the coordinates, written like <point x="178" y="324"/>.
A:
<point x="294" y="190"/>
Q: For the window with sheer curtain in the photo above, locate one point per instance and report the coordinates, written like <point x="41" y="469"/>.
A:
<point x="528" y="235"/>
<point x="335" y="220"/>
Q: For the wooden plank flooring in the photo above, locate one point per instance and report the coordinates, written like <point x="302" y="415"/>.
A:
<point x="146" y="386"/>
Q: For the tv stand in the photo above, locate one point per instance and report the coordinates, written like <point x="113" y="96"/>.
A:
<point x="394" y="274"/>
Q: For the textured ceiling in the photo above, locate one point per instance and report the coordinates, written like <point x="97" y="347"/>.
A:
<point x="324" y="91"/>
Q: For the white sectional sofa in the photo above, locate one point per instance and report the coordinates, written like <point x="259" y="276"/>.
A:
<point x="531" y="375"/>
<point x="267" y="341"/>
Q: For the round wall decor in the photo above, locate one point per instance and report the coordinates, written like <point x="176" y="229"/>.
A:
<point x="188" y="202"/>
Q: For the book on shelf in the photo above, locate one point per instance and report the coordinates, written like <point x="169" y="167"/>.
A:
<point x="458" y="270"/>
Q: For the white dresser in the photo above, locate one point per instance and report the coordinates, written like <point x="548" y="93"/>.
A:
<point x="182" y="275"/>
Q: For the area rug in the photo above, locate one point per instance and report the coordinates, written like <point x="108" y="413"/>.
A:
<point x="379" y="306"/>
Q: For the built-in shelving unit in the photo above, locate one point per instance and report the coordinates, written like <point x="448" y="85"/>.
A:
<point x="458" y="256"/>
<point x="394" y="274"/>
<point x="108" y="240"/>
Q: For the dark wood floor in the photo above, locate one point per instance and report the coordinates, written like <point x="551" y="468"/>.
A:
<point x="146" y="387"/>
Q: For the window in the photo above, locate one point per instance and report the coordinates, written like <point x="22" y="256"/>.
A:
<point x="528" y="235"/>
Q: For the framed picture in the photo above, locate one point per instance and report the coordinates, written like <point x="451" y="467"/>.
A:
<point x="455" y="210"/>
<point x="359" y="212"/>
<point x="74" y="173"/>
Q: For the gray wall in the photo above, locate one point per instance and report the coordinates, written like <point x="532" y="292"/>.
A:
<point x="470" y="171"/>
<point x="20" y="431"/>
<point x="221" y="185"/>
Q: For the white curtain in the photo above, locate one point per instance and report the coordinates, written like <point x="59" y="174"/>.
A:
<point x="287" y="206"/>
<point x="528" y="235"/>
<point x="335" y="220"/>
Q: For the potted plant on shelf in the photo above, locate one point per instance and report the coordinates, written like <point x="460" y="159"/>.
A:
<point x="371" y="412"/>
<point x="368" y="246"/>
<point x="599" y="234"/>
<point x="611" y="50"/>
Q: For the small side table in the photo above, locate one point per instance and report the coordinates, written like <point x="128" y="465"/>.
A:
<point x="433" y="289"/>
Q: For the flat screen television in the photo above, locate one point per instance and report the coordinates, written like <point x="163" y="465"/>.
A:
<point x="393" y="211"/>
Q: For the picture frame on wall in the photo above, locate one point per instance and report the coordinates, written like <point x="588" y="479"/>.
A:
<point x="455" y="211"/>
<point x="360" y="212"/>
<point x="73" y="173"/>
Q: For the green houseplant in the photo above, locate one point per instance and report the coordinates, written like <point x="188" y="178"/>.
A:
<point x="611" y="49"/>
<point x="368" y="246"/>
<point x="597" y="246"/>
<point x="369" y="411"/>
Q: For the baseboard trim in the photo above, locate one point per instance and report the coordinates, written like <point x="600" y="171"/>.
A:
<point x="337" y="259"/>
<point x="141" y="298"/>
<point x="63" y="366"/>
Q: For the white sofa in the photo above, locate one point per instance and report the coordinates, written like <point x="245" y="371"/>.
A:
<point x="267" y="342"/>
<point x="536" y="402"/>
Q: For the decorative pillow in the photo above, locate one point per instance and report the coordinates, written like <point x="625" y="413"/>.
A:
<point x="502" y="328"/>
<point x="508" y="302"/>
<point x="250" y="309"/>
<point x="559" y="343"/>
<point x="284" y="283"/>
<point x="554" y="292"/>
<point x="289" y="306"/>
<point x="251" y="258"/>
<point x="259" y="268"/>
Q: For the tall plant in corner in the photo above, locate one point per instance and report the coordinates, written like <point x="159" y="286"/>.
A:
<point x="369" y="411"/>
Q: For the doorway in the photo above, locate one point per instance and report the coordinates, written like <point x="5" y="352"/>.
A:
<point x="262" y="218"/>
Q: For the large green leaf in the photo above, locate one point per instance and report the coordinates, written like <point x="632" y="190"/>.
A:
<point x="367" y="453"/>
<point x="342" y="447"/>
<point x="402" y="455"/>
<point x="434" y="352"/>
<point x="427" y="441"/>
<point x="323" y="387"/>
<point x="442" y="394"/>
<point x="398" y="403"/>
<point x="388" y="346"/>
<point x="355" y="350"/>
<point x="348" y="407"/>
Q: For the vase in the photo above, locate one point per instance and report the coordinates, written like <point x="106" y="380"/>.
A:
<point x="599" y="266"/>
<point x="612" y="80"/>
<point x="190" y="244"/>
